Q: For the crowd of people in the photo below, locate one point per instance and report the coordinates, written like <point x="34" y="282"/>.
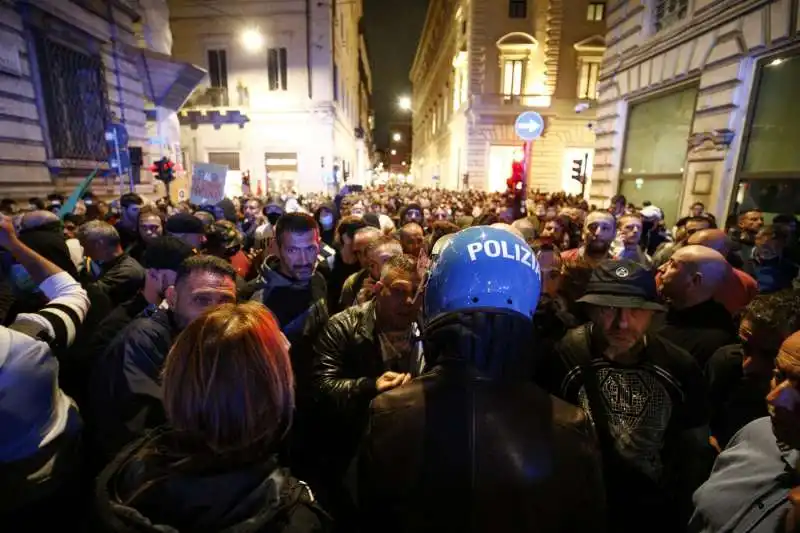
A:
<point x="397" y="360"/>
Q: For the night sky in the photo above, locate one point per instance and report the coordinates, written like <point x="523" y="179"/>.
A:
<point x="392" y="32"/>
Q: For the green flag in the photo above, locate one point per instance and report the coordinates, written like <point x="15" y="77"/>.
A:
<point x="77" y="194"/>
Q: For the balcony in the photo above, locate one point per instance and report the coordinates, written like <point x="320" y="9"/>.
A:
<point x="208" y="97"/>
<point x="210" y="106"/>
<point x="512" y="103"/>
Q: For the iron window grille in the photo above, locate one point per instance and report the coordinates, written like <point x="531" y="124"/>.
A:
<point x="75" y="99"/>
<point x="668" y="12"/>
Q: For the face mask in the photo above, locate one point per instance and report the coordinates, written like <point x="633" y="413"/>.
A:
<point x="326" y="221"/>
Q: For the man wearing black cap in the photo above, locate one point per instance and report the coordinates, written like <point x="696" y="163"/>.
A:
<point x="647" y="399"/>
<point x="161" y="261"/>
<point x="188" y="228"/>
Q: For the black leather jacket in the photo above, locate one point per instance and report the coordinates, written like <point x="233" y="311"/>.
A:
<point x="454" y="451"/>
<point x="349" y="359"/>
<point x="348" y="362"/>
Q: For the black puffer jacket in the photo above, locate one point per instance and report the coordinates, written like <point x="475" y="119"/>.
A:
<point x="143" y="491"/>
<point x="125" y="395"/>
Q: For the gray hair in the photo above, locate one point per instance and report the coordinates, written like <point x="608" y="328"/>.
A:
<point x="400" y="263"/>
<point x="34" y="219"/>
<point x="98" y="231"/>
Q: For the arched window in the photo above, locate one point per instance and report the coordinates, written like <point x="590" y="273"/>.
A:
<point x="516" y="50"/>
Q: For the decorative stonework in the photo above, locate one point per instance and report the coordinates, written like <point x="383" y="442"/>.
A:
<point x="553" y="43"/>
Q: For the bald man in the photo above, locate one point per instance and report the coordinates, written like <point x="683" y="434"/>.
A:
<point x="696" y="321"/>
<point x="739" y="288"/>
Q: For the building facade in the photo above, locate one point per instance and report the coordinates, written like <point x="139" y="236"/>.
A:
<point x="286" y="97"/>
<point x="479" y="64"/>
<point x="67" y="71"/>
<point x="697" y="104"/>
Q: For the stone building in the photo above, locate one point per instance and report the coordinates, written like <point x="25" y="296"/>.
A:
<point x="286" y="97"/>
<point x="479" y="64"/>
<point x="698" y="104"/>
<point x="67" y="71"/>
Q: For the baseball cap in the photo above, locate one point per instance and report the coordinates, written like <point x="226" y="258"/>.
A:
<point x="622" y="283"/>
<point x="166" y="253"/>
<point x="184" y="223"/>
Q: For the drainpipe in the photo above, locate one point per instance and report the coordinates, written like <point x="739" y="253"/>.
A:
<point x="309" y="57"/>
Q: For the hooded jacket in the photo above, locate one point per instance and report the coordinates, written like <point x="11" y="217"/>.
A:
<point x="301" y="311"/>
<point x="172" y="492"/>
<point x="327" y="234"/>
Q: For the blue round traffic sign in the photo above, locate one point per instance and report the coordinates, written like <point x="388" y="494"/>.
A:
<point x="118" y="132"/>
<point x="529" y="125"/>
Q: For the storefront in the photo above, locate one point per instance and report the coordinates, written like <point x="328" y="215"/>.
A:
<point x="699" y="104"/>
<point x="769" y="166"/>
<point x="655" y="149"/>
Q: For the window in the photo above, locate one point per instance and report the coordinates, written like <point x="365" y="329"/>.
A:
<point x="517" y="9"/>
<point x="276" y="68"/>
<point x="335" y="82"/>
<point x="771" y="144"/>
<point x="596" y="12"/>
<point x="587" y="84"/>
<point x="217" y="68"/>
<point x="228" y="159"/>
<point x="75" y="100"/>
<point x="654" y="157"/>
<point x="512" y="77"/>
<point x="668" y="12"/>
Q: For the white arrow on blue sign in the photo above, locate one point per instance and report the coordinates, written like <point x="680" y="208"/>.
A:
<point x="529" y="125"/>
<point x="117" y="132"/>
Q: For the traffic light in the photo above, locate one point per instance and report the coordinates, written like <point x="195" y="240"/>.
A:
<point x="577" y="170"/>
<point x="163" y="170"/>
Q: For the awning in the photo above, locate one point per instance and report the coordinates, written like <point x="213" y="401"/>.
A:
<point x="166" y="82"/>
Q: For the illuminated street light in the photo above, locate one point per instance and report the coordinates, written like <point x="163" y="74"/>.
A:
<point x="252" y="39"/>
<point x="404" y="103"/>
<point x="393" y="152"/>
<point x="396" y="137"/>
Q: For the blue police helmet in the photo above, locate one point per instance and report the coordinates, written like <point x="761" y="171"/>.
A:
<point x="483" y="269"/>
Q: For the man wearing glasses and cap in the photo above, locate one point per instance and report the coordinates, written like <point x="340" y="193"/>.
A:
<point x="646" y="396"/>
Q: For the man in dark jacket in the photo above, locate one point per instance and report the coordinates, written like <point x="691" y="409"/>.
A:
<point x="162" y="259"/>
<point x="744" y="234"/>
<point x="292" y="288"/>
<point x="646" y="397"/>
<point x="126" y="391"/>
<point x="345" y="262"/>
<point x="109" y="268"/>
<point x="471" y="445"/>
<point x="128" y="225"/>
<point x="352" y="285"/>
<point x="695" y="321"/>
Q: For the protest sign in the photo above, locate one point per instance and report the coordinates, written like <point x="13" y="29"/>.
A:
<point x="208" y="183"/>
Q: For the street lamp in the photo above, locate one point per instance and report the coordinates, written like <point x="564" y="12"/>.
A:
<point x="252" y="39"/>
<point x="404" y="103"/>
<point x="393" y="152"/>
<point x="396" y="137"/>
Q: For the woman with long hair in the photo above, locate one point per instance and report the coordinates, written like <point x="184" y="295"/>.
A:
<point x="228" y="393"/>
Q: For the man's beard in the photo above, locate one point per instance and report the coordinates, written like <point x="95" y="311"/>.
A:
<point x="598" y="247"/>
